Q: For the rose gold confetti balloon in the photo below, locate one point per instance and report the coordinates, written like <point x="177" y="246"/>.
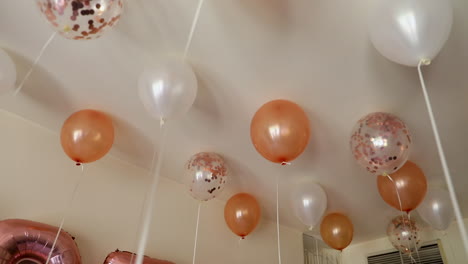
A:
<point x="380" y="142"/>
<point x="80" y="19"/>
<point x="404" y="234"/>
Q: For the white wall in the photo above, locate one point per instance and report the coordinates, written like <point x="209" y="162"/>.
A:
<point x="37" y="179"/>
<point x="452" y="246"/>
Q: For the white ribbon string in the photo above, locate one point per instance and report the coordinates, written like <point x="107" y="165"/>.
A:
<point x="33" y="66"/>
<point x="193" y="27"/>
<point x="277" y="220"/>
<point x="148" y="213"/>
<point x="196" y="235"/>
<point x="414" y="240"/>
<point x="316" y="250"/>
<point x="66" y="212"/>
<point x="443" y="161"/>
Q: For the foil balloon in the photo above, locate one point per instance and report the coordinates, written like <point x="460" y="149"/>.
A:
<point x="242" y="214"/>
<point x="7" y="72"/>
<point x="404" y="234"/>
<point x="78" y="19"/>
<point x="125" y="257"/>
<point x="409" y="182"/>
<point x="408" y="31"/>
<point x="309" y="202"/>
<point x="280" y="131"/>
<point x="206" y="175"/>
<point x="337" y="230"/>
<point x="168" y="89"/>
<point x="380" y="143"/>
<point x="23" y="241"/>
<point x="436" y="209"/>
<point x="87" y="136"/>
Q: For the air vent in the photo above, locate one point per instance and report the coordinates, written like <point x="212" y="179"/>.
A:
<point x="428" y="254"/>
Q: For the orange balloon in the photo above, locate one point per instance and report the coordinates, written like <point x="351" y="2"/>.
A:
<point x="337" y="230"/>
<point x="280" y="131"/>
<point x="87" y="135"/>
<point x="242" y="214"/>
<point x="410" y="183"/>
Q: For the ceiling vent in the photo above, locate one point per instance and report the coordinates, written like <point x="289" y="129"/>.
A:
<point x="428" y="254"/>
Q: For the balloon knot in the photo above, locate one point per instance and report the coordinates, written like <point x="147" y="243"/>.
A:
<point x="310" y="228"/>
<point x="425" y="62"/>
<point x="242" y="237"/>
<point x="78" y="164"/>
<point x="284" y="163"/>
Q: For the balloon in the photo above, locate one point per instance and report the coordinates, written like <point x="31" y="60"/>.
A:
<point x="78" y="19"/>
<point x="380" y="142"/>
<point x="309" y="202"/>
<point x="87" y="135"/>
<point x="337" y="230"/>
<point x="206" y="175"/>
<point x="404" y="234"/>
<point x="23" y="241"/>
<point x="408" y="31"/>
<point x="410" y="183"/>
<point x="7" y="72"/>
<point x="436" y="209"/>
<point x="280" y="131"/>
<point x="242" y="214"/>
<point x="125" y="257"/>
<point x="168" y="89"/>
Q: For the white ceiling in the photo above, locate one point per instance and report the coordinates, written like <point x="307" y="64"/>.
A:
<point x="245" y="53"/>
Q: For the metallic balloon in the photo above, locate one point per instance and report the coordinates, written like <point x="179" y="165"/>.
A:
<point x="404" y="234"/>
<point x="27" y="241"/>
<point x="206" y="175"/>
<point x="78" y="19"/>
<point x="7" y="72"/>
<point x="380" y="142"/>
<point x="436" y="209"/>
<point x="408" y="31"/>
<point x="410" y="183"/>
<point x="87" y="135"/>
<point x="309" y="202"/>
<point x="125" y="257"/>
<point x="168" y="89"/>
<point x="242" y="214"/>
<point x="337" y="230"/>
<point x="280" y="131"/>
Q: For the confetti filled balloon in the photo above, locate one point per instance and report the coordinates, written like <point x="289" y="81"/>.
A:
<point x="206" y="174"/>
<point x="79" y="19"/>
<point x="404" y="234"/>
<point x="380" y="142"/>
<point x="242" y="214"/>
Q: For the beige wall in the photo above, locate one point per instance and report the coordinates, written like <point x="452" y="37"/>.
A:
<point x="38" y="179"/>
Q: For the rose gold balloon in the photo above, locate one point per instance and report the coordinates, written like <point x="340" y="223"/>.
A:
<point x="337" y="230"/>
<point x="242" y="214"/>
<point x="23" y="241"/>
<point x="87" y="135"/>
<point x="280" y="131"/>
<point x="410" y="183"/>
<point x="125" y="257"/>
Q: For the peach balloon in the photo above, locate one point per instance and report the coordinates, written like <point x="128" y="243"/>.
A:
<point x="87" y="136"/>
<point x="410" y="183"/>
<point x="337" y="230"/>
<point x="242" y="214"/>
<point x="280" y="131"/>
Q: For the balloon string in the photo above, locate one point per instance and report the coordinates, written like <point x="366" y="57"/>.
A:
<point x="443" y="161"/>
<point x="277" y="220"/>
<point x="193" y="27"/>
<point x="66" y="212"/>
<point x="148" y="213"/>
<point x="33" y="66"/>
<point x="414" y="240"/>
<point x="316" y="250"/>
<point x="196" y="234"/>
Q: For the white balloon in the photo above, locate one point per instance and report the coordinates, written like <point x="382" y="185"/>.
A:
<point x="168" y="89"/>
<point x="436" y="209"/>
<point x="309" y="202"/>
<point x="408" y="31"/>
<point x="7" y="72"/>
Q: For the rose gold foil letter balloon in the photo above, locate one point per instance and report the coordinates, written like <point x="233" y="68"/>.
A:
<point x="242" y="214"/>
<point x="206" y="175"/>
<point x="337" y="230"/>
<point x="380" y="142"/>
<point x="404" y="234"/>
<point x="79" y="19"/>
<point x="87" y="136"/>
<point x="280" y="131"/>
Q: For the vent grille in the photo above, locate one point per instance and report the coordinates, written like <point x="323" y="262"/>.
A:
<point x="428" y="254"/>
